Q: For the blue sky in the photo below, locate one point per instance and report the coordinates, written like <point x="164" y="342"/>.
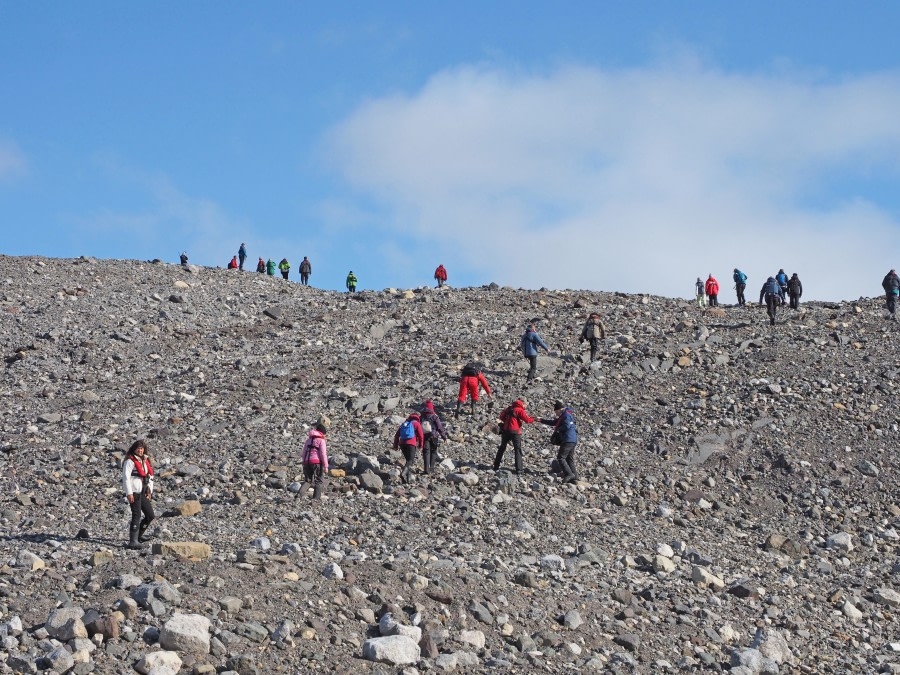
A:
<point x="606" y="145"/>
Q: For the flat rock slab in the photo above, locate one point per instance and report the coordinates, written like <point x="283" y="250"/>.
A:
<point x="189" y="550"/>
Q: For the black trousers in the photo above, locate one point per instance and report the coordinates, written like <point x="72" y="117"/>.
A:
<point x="505" y="438"/>
<point x="891" y="302"/>
<point x="429" y="452"/>
<point x="241" y="264"/>
<point x="140" y="506"/>
<point x="740" y="293"/>
<point x="284" y="273"/>
<point x="566" y="458"/>
<point x="304" y="279"/>
<point x="595" y="347"/>
<point x="714" y="300"/>
<point x="532" y="360"/>
<point x="313" y="474"/>
<point x="772" y="303"/>
<point x="409" y="454"/>
<point x="795" y="302"/>
<point x="351" y="289"/>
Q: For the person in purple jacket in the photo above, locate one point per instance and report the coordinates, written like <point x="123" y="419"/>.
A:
<point x="315" y="461"/>
<point x="433" y="429"/>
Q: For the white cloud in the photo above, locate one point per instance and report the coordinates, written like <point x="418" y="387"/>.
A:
<point x="639" y="179"/>
<point x="12" y="160"/>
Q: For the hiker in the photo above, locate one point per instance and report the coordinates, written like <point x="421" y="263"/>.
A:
<point x="242" y="255"/>
<point x="315" y="461"/>
<point x="470" y="379"/>
<point x="530" y="343"/>
<point x="593" y="331"/>
<point x="565" y="435"/>
<point x="740" y="283"/>
<point x="233" y="265"/>
<point x="184" y="258"/>
<point x="795" y="290"/>
<point x="261" y="266"/>
<point x="700" y="291"/>
<point x="270" y="267"/>
<point x="305" y="271"/>
<point x="712" y="291"/>
<point x="285" y="268"/>
<point x="409" y="435"/>
<point x="351" y="282"/>
<point x="434" y="431"/>
<point x="774" y="296"/>
<point x="891" y="286"/>
<point x="781" y="278"/>
<point x="137" y="479"/>
<point x="511" y="420"/>
<point x="441" y="275"/>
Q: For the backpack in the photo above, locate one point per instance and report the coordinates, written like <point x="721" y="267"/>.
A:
<point x="740" y="277"/>
<point x="470" y="370"/>
<point x="773" y="288"/>
<point x="506" y="417"/>
<point x="426" y="426"/>
<point x="407" y="431"/>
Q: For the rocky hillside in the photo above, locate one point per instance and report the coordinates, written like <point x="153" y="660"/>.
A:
<point x="738" y="505"/>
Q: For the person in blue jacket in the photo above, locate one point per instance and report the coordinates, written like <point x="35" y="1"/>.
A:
<point x="740" y="283"/>
<point x="531" y="341"/>
<point x="565" y="435"/>
<point x="774" y="296"/>
<point x="782" y="280"/>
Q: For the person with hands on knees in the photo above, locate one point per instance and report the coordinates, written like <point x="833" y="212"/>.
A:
<point x="137" y="479"/>
<point x="315" y="461"/>
<point x="565" y="436"/>
<point x="409" y="438"/>
<point x="470" y="380"/>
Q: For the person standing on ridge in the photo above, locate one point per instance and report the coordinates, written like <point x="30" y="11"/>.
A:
<point x="315" y="461"/>
<point x="441" y="275"/>
<point x="305" y="271"/>
<point x="184" y="258"/>
<point x="261" y="266"/>
<point x="511" y="420"/>
<point x="242" y="255"/>
<point x="773" y="295"/>
<point x="740" y="284"/>
<point x="529" y="344"/>
<point x="408" y="438"/>
<point x="700" y="290"/>
<point x="781" y="278"/>
<point x="795" y="290"/>
<point x="712" y="291"/>
<point x="233" y="265"/>
<point x="137" y="479"/>
<point x="565" y="435"/>
<point x="434" y="431"/>
<point x="351" y="282"/>
<point x="270" y="267"/>
<point x="593" y="332"/>
<point x="470" y="380"/>
<point x="285" y="268"/>
<point x="891" y="286"/>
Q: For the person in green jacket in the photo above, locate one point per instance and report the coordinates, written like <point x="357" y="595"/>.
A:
<point x="270" y="268"/>
<point x="285" y="267"/>
<point x="351" y="282"/>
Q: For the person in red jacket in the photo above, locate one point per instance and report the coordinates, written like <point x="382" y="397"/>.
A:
<point x="511" y="421"/>
<point x="470" y="379"/>
<point x="441" y="275"/>
<point x="409" y="438"/>
<point x="233" y="265"/>
<point x="712" y="291"/>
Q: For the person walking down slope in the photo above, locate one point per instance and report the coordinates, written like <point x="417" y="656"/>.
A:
<point x="700" y="290"/>
<point x="712" y="291"/>
<point x="470" y="380"/>
<point x="233" y="265"/>
<point x="441" y="275"/>
<point x="565" y="435"/>
<point x="261" y="266"/>
<point x="782" y="280"/>
<point x="891" y="286"/>
<point x="242" y="256"/>
<point x="774" y="296"/>
<point x="795" y="290"/>
<point x="408" y="438"/>
<point x="137" y="479"/>
<point x="305" y="271"/>
<point x="511" y="420"/>
<point x="351" y="282"/>
<point x="740" y="284"/>
<point x="270" y="267"/>
<point x="285" y="268"/>
<point x="530" y="343"/>
<point x="315" y="461"/>
<point x="434" y="431"/>
<point x="593" y="332"/>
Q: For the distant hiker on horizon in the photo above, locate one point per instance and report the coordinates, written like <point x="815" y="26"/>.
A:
<point x="137" y="479"/>
<point x="434" y="431"/>
<point x="305" y="271"/>
<point x="315" y="461"/>
<point x="470" y="380"/>
<point x="441" y="275"/>
<point x="774" y="296"/>
<point x="712" y="291"/>
<point x="891" y="286"/>
<point x="233" y="265"/>
<point x="700" y="290"/>
<point x="270" y="267"/>
<point x="740" y="283"/>
<point x="242" y="255"/>
<point x="529" y="344"/>
<point x="183" y="258"/>
<point x="408" y="438"/>
<point x="351" y="282"/>
<point x="782" y="280"/>
<point x="285" y="268"/>
<point x="261" y="266"/>
<point x="511" y="420"/>
<point x="593" y="332"/>
<point x="795" y="290"/>
<point x="565" y="435"/>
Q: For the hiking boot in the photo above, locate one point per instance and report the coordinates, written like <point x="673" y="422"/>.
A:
<point x="317" y="492"/>
<point x="142" y="533"/>
<point x="133" y="543"/>
<point x="458" y="406"/>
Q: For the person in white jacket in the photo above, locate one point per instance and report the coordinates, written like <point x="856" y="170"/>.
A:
<point x="137" y="479"/>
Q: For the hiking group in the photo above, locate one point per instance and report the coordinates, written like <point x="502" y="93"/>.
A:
<point x="773" y="293"/>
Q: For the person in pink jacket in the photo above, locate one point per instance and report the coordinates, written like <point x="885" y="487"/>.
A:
<point x="315" y="461"/>
<point x="409" y="438"/>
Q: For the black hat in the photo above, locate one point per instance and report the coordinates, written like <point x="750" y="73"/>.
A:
<point x="558" y="405"/>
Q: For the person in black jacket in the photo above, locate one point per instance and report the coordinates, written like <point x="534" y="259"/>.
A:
<point x="773" y="295"/>
<point x="795" y="290"/>
<point x="891" y="286"/>
<point x="434" y="431"/>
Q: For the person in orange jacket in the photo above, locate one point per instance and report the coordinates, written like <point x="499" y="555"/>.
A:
<point x="441" y="275"/>
<point x="470" y="379"/>
<point x="712" y="291"/>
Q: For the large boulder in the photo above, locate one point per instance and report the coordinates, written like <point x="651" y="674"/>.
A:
<point x="397" y="650"/>
<point x="186" y="633"/>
